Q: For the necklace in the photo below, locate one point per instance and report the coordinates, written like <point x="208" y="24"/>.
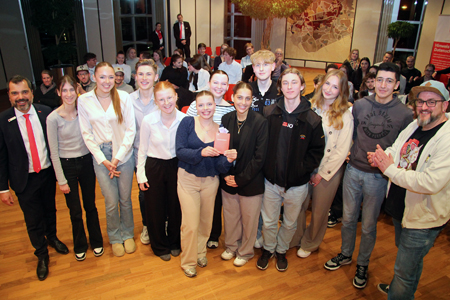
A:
<point x="240" y="124"/>
<point x="204" y="127"/>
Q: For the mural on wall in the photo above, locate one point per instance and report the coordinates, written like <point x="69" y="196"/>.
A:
<point x="323" y="32"/>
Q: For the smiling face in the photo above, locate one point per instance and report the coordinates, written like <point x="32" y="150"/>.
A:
<point x="370" y="83"/>
<point x="249" y="50"/>
<point x="385" y="84"/>
<point x="218" y="85"/>
<point x="242" y="100"/>
<point x="105" y="77"/>
<point x="387" y="58"/>
<point x="205" y="107"/>
<point x="84" y="77"/>
<point x="178" y="63"/>
<point x="68" y="94"/>
<point x="146" y="77"/>
<point x="202" y="50"/>
<point x="119" y="78"/>
<point x="120" y="59"/>
<point x="330" y="89"/>
<point x="291" y="86"/>
<point x="263" y="70"/>
<point x="355" y="55"/>
<point x="428" y="117"/>
<point x="166" y="100"/>
<point x="20" y="96"/>
<point x="46" y="79"/>
<point x="156" y="57"/>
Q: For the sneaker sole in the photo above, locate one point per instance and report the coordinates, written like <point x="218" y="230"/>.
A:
<point x="337" y="267"/>
<point x="264" y="268"/>
<point x="281" y="270"/>
<point x="331" y="225"/>
<point x="144" y="242"/>
<point x="359" y="286"/>
<point x="381" y="290"/>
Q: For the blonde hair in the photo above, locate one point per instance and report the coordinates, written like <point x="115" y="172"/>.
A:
<point x="350" y="56"/>
<point x="340" y="104"/>
<point x="147" y="62"/>
<point x="163" y="85"/>
<point x="264" y="56"/>
<point x="113" y="93"/>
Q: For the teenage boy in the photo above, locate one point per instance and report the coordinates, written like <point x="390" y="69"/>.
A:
<point x="90" y="59"/>
<point x="230" y="66"/>
<point x="379" y="119"/>
<point x="120" y="84"/>
<point x="265" y="91"/>
<point x="246" y="60"/>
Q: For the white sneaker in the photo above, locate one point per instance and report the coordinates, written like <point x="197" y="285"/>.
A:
<point x="227" y="255"/>
<point x="239" y="262"/>
<point x="303" y="253"/>
<point x="145" y="239"/>
<point x="258" y="243"/>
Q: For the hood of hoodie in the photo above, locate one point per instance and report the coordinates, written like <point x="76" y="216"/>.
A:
<point x="304" y="105"/>
<point x="394" y="102"/>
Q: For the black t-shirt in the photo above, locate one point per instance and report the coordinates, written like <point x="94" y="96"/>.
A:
<point x="259" y="101"/>
<point x="410" y="154"/>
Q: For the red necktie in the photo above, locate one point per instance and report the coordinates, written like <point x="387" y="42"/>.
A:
<point x="181" y="31"/>
<point x="33" y="147"/>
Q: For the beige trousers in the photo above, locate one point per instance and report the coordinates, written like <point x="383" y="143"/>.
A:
<point x="196" y="196"/>
<point x="309" y="238"/>
<point x="240" y="217"/>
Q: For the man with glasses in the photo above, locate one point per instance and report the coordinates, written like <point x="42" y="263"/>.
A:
<point x="418" y="167"/>
<point x="378" y="120"/>
<point x="428" y="75"/>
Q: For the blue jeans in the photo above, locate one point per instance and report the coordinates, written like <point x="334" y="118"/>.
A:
<point x="371" y="187"/>
<point x="274" y="196"/>
<point x="414" y="245"/>
<point x="117" y="193"/>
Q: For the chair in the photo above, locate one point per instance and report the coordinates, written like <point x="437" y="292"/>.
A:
<point x="184" y="109"/>
<point x="209" y="51"/>
<point x="167" y="61"/>
<point x="229" y="92"/>
<point x="238" y="61"/>
<point x="218" y="51"/>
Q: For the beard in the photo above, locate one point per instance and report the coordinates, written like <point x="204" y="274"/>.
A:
<point x="431" y="119"/>
<point x="22" y="108"/>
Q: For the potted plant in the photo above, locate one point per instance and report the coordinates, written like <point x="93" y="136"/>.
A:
<point x="399" y="30"/>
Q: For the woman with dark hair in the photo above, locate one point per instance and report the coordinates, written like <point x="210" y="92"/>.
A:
<point x="46" y="93"/>
<point x="157" y="56"/>
<point x="73" y="165"/>
<point x="199" y="77"/>
<point x="220" y="58"/>
<point x="181" y="54"/>
<point x="121" y="62"/>
<point x="347" y="69"/>
<point x="199" y="167"/>
<point x="177" y="75"/>
<point x="108" y="127"/>
<point x="360" y="73"/>
<point x="157" y="38"/>
<point x="242" y="187"/>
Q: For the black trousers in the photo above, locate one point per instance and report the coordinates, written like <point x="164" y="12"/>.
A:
<point x="80" y="171"/>
<point x="186" y="48"/>
<point x="216" y="229"/>
<point x="162" y="204"/>
<point x="37" y="202"/>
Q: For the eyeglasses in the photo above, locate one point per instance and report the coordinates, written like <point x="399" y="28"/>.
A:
<point x="430" y="103"/>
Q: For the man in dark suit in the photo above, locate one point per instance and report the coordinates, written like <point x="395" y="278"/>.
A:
<point x="182" y="34"/>
<point x="25" y="163"/>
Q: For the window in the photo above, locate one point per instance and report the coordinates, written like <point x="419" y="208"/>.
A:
<point x="238" y="29"/>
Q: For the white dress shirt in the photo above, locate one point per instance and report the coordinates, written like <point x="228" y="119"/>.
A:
<point x="157" y="141"/>
<point x="234" y="71"/>
<point x="183" y="35"/>
<point x="38" y="137"/>
<point x="140" y="111"/>
<point x="202" y="82"/>
<point x="99" y="126"/>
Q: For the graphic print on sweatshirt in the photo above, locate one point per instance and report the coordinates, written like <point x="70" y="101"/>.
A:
<point x="409" y="154"/>
<point x="377" y="124"/>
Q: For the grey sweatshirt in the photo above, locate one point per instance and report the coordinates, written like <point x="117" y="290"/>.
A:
<point x="376" y="123"/>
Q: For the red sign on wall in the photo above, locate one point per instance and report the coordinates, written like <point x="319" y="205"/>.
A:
<point x="440" y="56"/>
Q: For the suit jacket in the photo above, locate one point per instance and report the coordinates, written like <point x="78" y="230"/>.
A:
<point x="187" y="33"/>
<point x="13" y="154"/>
<point x="155" y="40"/>
<point x="253" y="143"/>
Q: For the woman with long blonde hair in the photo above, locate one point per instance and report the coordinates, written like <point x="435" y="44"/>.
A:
<point x="331" y="103"/>
<point x="108" y="127"/>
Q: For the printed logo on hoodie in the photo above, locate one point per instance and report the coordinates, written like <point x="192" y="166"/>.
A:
<point x="377" y="124"/>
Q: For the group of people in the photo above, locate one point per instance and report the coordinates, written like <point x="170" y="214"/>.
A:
<point x="281" y="149"/>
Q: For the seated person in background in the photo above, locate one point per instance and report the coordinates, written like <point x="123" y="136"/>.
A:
<point x="157" y="56"/>
<point x="86" y="84"/>
<point x="359" y="74"/>
<point x="145" y="55"/>
<point x="402" y="87"/>
<point x="353" y="59"/>
<point x="249" y="74"/>
<point x="245" y="61"/>
<point x="230" y="66"/>
<point x="181" y="53"/>
<point x="346" y="68"/>
<point x="316" y="81"/>
<point x="331" y="67"/>
<point x="132" y="59"/>
<point x="411" y="74"/>
<point x="198" y="77"/>
<point x="264" y="88"/>
<point x="202" y="50"/>
<point x="373" y="70"/>
<point x="280" y="64"/>
<point x="46" y="93"/>
<point x="367" y="87"/>
<point x="120" y="62"/>
<point x="177" y="75"/>
<point x="120" y="84"/>
<point x="220" y="59"/>
<point x="388" y="57"/>
<point x="90" y="59"/>
<point x="428" y="75"/>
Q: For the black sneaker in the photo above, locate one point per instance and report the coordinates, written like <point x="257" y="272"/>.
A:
<point x="263" y="261"/>
<point x="282" y="263"/>
<point x="360" y="279"/>
<point x="338" y="261"/>
<point x="383" y="287"/>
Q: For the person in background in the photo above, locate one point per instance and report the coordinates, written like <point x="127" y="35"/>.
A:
<point x="182" y="34"/>
<point x="360" y="73"/>
<point x="176" y="73"/>
<point x="143" y="104"/>
<point x="373" y="70"/>
<point x="119" y="82"/>
<point x="388" y="57"/>
<point x="120" y="62"/>
<point x="316" y="82"/>
<point x="294" y="151"/>
<point x="245" y="61"/>
<point x="108" y="127"/>
<point x="230" y="66"/>
<point x="353" y="59"/>
<point x="145" y="55"/>
<point x="131" y="60"/>
<point x="85" y="84"/>
<point x="331" y="104"/>
<point x="157" y="56"/>
<point x="403" y="81"/>
<point x="157" y="39"/>
<point x="73" y="166"/>
<point x="157" y="172"/>
<point x="181" y="54"/>
<point x="199" y="165"/>
<point x="428" y="75"/>
<point x="368" y="84"/>
<point x="242" y="186"/>
<point x="280" y="64"/>
<point x="46" y="94"/>
<point x="202" y="51"/>
<point x="198" y="77"/>
<point x="220" y="58"/>
<point x="411" y="73"/>
<point x="347" y="70"/>
<point x="90" y="59"/>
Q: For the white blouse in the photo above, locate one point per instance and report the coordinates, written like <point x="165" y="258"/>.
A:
<point x="202" y="82"/>
<point x="157" y="141"/>
<point x="99" y="126"/>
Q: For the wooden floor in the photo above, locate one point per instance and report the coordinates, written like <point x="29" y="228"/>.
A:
<point x="142" y="275"/>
